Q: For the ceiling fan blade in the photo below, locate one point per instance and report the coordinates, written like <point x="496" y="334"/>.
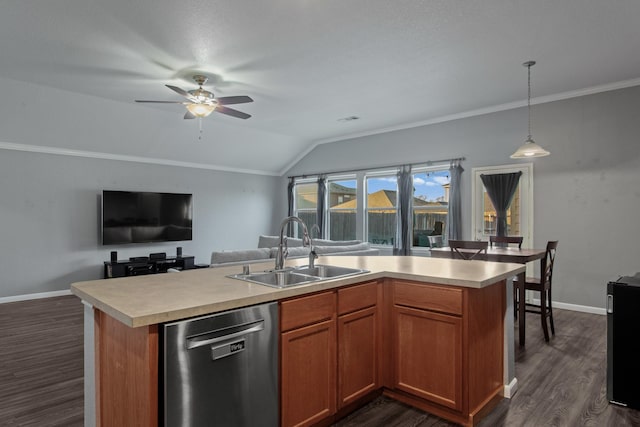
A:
<point x="189" y="115"/>
<point x="228" y="100"/>
<point x="182" y="92"/>
<point x="163" y="102"/>
<point x="232" y="112"/>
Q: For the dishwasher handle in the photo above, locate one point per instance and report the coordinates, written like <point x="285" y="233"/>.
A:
<point x="224" y="334"/>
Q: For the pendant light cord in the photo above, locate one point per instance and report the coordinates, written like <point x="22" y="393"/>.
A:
<point x="529" y="64"/>
<point x="529" y="96"/>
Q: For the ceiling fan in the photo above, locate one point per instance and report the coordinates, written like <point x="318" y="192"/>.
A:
<point x="201" y="102"/>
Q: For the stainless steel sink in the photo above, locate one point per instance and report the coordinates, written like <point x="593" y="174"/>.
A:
<point x="298" y="276"/>
<point x="329" y="271"/>
<point x="276" y="279"/>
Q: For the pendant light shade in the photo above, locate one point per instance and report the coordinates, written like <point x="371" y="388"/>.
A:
<point x="530" y="148"/>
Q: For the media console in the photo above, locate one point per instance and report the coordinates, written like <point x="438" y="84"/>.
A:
<point x="146" y="265"/>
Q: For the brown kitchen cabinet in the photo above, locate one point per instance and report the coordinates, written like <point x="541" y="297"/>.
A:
<point x="447" y="342"/>
<point x="428" y="358"/>
<point x="358" y="342"/>
<point x="126" y="361"/>
<point x="308" y="359"/>
<point x="329" y="352"/>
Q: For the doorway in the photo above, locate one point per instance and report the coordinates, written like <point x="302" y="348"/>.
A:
<point x="520" y="213"/>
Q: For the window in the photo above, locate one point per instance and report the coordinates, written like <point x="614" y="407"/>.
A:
<point x="430" y="204"/>
<point x="513" y="215"/>
<point x="305" y="196"/>
<point x="364" y="205"/>
<point x="381" y="209"/>
<point x="343" y="207"/>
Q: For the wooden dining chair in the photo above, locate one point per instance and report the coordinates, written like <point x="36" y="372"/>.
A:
<point x="435" y="241"/>
<point x="476" y="245"/>
<point x="506" y="240"/>
<point x="542" y="285"/>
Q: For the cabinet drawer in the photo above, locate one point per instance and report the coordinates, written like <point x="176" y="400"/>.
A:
<point x="306" y="310"/>
<point x="429" y="297"/>
<point x="357" y="297"/>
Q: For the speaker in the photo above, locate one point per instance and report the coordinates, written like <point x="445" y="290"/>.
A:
<point x="179" y="252"/>
<point x="114" y="256"/>
<point x="158" y="255"/>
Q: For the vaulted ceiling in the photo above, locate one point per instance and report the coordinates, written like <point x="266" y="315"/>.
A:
<point x="306" y="63"/>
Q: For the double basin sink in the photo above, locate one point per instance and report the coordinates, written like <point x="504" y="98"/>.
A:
<point x="298" y="275"/>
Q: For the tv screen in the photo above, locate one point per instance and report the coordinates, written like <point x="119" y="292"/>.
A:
<point x="144" y="217"/>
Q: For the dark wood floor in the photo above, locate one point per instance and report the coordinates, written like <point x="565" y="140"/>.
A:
<point x="561" y="383"/>
<point x="41" y="363"/>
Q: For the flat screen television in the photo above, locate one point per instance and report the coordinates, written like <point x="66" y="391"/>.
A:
<point x="145" y="217"/>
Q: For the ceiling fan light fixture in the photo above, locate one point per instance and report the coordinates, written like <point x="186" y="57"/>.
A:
<point x="201" y="103"/>
<point x="530" y="148"/>
<point x="200" y="110"/>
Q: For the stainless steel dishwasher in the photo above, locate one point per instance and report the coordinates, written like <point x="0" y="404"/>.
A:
<point x="222" y="370"/>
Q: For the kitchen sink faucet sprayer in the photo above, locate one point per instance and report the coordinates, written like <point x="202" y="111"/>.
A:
<point x="282" y="246"/>
<point x="313" y="256"/>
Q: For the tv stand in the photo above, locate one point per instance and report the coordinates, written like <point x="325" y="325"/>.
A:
<point x="145" y="265"/>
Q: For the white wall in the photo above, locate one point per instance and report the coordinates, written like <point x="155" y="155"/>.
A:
<point x="49" y="210"/>
<point x="586" y="194"/>
<point x="49" y="203"/>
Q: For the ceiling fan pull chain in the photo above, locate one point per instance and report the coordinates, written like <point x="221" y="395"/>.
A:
<point x="200" y="125"/>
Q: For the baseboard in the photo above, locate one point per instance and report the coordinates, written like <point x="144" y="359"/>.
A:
<point x="39" y="295"/>
<point x="575" y="307"/>
<point x="510" y="389"/>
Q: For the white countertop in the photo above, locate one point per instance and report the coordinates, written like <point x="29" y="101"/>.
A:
<point x="157" y="298"/>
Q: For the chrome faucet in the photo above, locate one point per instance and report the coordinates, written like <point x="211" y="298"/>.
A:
<point x="312" y="256"/>
<point x="317" y="228"/>
<point x="312" y="253"/>
<point x="282" y="246"/>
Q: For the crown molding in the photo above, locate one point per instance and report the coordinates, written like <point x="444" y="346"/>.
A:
<point x="123" y="158"/>
<point x="472" y="113"/>
<point x="487" y="110"/>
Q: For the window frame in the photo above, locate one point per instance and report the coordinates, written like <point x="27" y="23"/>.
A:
<point x="360" y="177"/>
<point x="365" y="181"/>
<point x="329" y="209"/>
<point x="296" y="210"/>
<point x="415" y="171"/>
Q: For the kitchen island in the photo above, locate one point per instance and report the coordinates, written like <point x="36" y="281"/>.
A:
<point x="415" y="293"/>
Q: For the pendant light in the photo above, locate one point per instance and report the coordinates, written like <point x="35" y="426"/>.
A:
<point x="530" y="148"/>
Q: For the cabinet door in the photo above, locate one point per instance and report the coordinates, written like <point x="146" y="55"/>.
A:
<point x="308" y="369"/>
<point x="357" y="354"/>
<point x="428" y="355"/>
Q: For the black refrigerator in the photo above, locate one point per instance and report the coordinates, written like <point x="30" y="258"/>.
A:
<point x="623" y="341"/>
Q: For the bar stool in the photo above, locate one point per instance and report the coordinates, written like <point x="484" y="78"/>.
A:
<point x="542" y="285"/>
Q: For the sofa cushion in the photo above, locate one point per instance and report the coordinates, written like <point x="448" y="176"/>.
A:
<point x="325" y="242"/>
<point x="239" y="255"/>
<point x="274" y="241"/>
<point x="292" y="252"/>
<point x="325" y="250"/>
<point x="268" y="241"/>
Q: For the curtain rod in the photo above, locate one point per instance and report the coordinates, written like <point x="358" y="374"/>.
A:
<point x="427" y="163"/>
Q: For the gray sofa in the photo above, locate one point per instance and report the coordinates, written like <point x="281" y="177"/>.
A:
<point x="268" y="247"/>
